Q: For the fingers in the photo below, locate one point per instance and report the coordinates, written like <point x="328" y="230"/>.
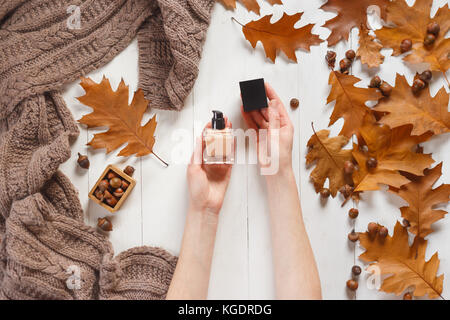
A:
<point x="259" y="119"/>
<point x="248" y="119"/>
<point x="271" y="94"/>
<point x="197" y="155"/>
<point x="276" y="104"/>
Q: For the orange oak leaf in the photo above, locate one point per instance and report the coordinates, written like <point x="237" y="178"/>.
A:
<point x="369" y="49"/>
<point x="351" y="13"/>
<point x="250" y="5"/>
<point x="281" y="35"/>
<point x="111" y="109"/>
<point x="350" y="101"/>
<point x="392" y="148"/>
<point x="421" y="110"/>
<point x="329" y="157"/>
<point x="422" y="199"/>
<point x="411" y="23"/>
<point x="405" y="265"/>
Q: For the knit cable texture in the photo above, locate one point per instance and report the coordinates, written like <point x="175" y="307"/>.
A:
<point x="44" y="244"/>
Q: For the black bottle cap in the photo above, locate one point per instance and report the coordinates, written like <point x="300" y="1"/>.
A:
<point x="253" y="94"/>
<point x="218" y="121"/>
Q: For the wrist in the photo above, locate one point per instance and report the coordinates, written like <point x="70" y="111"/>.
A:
<point x="205" y="214"/>
<point x="285" y="173"/>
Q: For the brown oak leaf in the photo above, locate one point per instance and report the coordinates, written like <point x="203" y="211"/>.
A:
<point x="281" y="35"/>
<point x="369" y="49"/>
<point x="111" y="109"/>
<point x="422" y="199"/>
<point x="421" y="110"/>
<point x="392" y="148"/>
<point x="351" y="13"/>
<point x="411" y="23"/>
<point x="405" y="265"/>
<point x="250" y="5"/>
<point x="330" y="158"/>
<point x="350" y="101"/>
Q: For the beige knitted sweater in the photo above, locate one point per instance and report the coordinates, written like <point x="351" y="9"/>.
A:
<point x="43" y="239"/>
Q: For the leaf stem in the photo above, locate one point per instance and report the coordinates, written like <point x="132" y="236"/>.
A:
<point x="323" y="146"/>
<point x="165" y="163"/>
<point x="233" y="19"/>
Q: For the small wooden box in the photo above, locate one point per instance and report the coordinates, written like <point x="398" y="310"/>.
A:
<point x="122" y="175"/>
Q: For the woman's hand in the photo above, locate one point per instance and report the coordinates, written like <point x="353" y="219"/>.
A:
<point x="207" y="183"/>
<point x="275" y="120"/>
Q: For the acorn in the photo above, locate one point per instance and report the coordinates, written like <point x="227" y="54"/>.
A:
<point x="406" y="223"/>
<point x="295" y="103"/>
<point x="426" y="76"/>
<point x="350" y="55"/>
<point x="115" y="183"/>
<point x="124" y="185"/>
<point x="353" y="236"/>
<point x="371" y="163"/>
<point x="356" y="270"/>
<point x="111" y="201"/>
<point x="405" y="45"/>
<point x="386" y="89"/>
<point x="99" y="194"/>
<point x="104" y="224"/>
<point x="349" y="167"/>
<point x="331" y="58"/>
<point x="429" y="40"/>
<point x="325" y="193"/>
<point x="417" y="86"/>
<point x="353" y="213"/>
<point x="111" y="175"/>
<point x="433" y="28"/>
<point x="383" y="232"/>
<point x="83" y="161"/>
<point x="407" y="296"/>
<point x="107" y="195"/>
<point x="103" y="185"/>
<point x="345" y="64"/>
<point x="346" y="190"/>
<point x="118" y="193"/>
<point x="372" y="228"/>
<point x="352" y="285"/>
<point x="129" y="170"/>
<point x="375" y="82"/>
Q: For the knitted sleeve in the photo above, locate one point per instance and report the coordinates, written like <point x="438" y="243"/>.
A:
<point x="170" y="46"/>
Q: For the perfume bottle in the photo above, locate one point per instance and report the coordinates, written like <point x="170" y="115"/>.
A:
<point x="219" y="142"/>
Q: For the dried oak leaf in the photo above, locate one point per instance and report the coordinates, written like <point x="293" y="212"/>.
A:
<point x="369" y="49"/>
<point x="330" y="158"/>
<point x="250" y="5"/>
<point x="421" y="110"/>
<point x="422" y="199"/>
<point x="111" y="109"/>
<point x="405" y="265"/>
<point x="351" y="13"/>
<point x="411" y="23"/>
<point x="350" y="101"/>
<point x="392" y="148"/>
<point x="281" y="35"/>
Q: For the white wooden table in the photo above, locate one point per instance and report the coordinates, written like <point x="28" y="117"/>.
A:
<point x="242" y="266"/>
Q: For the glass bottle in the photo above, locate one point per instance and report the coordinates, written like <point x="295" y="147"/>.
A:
<point x="219" y="142"/>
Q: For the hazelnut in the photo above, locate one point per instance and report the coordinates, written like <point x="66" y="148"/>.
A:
<point x="325" y="193"/>
<point x="352" y="285"/>
<point x="104" y="224"/>
<point x="429" y="40"/>
<point x="111" y="175"/>
<point x="372" y="228"/>
<point x="124" y="185"/>
<point x="386" y="89"/>
<point x="115" y="183"/>
<point x="383" y="232"/>
<point x="103" y="185"/>
<point x="350" y="55"/>
<point x="107" y="194"/>
<point x="426" y="76"/>
<point x="353" y="213"/>
<point x="295" y="103"/>
<point x="417" y="86"/>
<point x="375" y="82"/>
<point x="345" y="64"/>
<point x="433" y="28"/>
<point x="129" y="170"/>
<point x="353" y="236"/>
<point x="349" y="167"/>
<point x="118" y="193"/>
<point x="406" y="45"/>
<point x="83" y="161"/>
<point x="407" y="296"/>
<point x="371" y="163"/>
<point x="99" y="194"/>
<point x="356" y="270"/>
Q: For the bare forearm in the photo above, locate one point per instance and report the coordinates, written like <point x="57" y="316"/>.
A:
<point x="296" y="275"/>
<point x="191" y="277"/>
